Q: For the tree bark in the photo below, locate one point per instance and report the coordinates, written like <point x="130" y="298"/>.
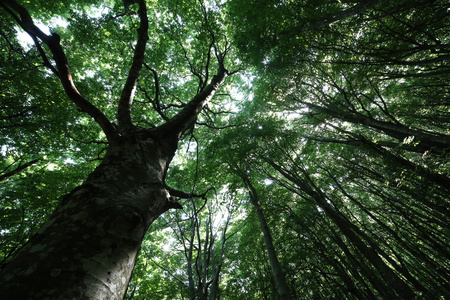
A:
<point x="87" y="249"/>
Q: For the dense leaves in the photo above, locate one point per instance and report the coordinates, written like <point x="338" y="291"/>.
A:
<point x="336" y="118"/>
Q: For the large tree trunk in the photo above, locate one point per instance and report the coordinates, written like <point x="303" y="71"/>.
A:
<point x="87" y="249"/>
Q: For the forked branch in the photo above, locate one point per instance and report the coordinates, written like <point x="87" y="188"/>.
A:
<point x="62" y="70"/>
<point x="183" y="120"/>
<point x="18" y="169"/>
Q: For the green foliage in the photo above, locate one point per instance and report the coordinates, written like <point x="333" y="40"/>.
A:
<point x="340" y="119"/>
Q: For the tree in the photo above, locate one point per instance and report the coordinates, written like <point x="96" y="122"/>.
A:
<point x="277" y="271"/>
<point x="95" y="233"/>
<point x="355" y="101"/>
<point x="340" y="117"/>
<point x="200" y="239"/>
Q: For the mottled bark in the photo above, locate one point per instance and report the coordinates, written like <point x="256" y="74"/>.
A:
<point x="87" y="249"/>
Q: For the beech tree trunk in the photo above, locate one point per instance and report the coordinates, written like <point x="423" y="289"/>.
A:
<point x="87" y="249"/>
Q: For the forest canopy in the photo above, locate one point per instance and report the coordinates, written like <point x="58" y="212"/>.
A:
<point x="225" y="149"/>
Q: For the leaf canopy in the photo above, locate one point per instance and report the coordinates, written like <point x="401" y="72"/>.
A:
<point x="338" y="112"/>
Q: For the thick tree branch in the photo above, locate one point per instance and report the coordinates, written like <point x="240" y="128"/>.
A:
<point x="126" y="99"/>
<point x="62" y="70"/>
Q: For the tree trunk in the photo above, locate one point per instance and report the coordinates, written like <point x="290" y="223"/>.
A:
<point x="423" y="140"/>
<point x="277" y="271"/>
<point x="217" y="267"/>
<point x="87" y="249"/>
<point x="346" y="265"/>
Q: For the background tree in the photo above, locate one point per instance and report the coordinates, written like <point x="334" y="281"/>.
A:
<point x="368" y="109"/>
<point x="192" y="253"/>
<point x="277" y="271"/>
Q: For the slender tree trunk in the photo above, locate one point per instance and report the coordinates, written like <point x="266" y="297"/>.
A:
<point x="360" y="291"/>
<point x="359" y="269"/>
<point x="190" y="272"/>
<point x="429" y="264"/>
<point x="424" y="140"/>
<point x="277" y="271"/>
<point x="217" y="267"/>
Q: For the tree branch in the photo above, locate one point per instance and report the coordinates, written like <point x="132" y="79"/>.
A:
<point x="156" y="103"/>
<point x="18" y="169"/>
<point x="331" y="18"/>
<point x="201" y="82"/>
<point x="170" y="272"/>
<point x="184" y="195"/>
<point x="182" y="121"/>
<point x="126" y="99"/>
<point x="62" y="70"/>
